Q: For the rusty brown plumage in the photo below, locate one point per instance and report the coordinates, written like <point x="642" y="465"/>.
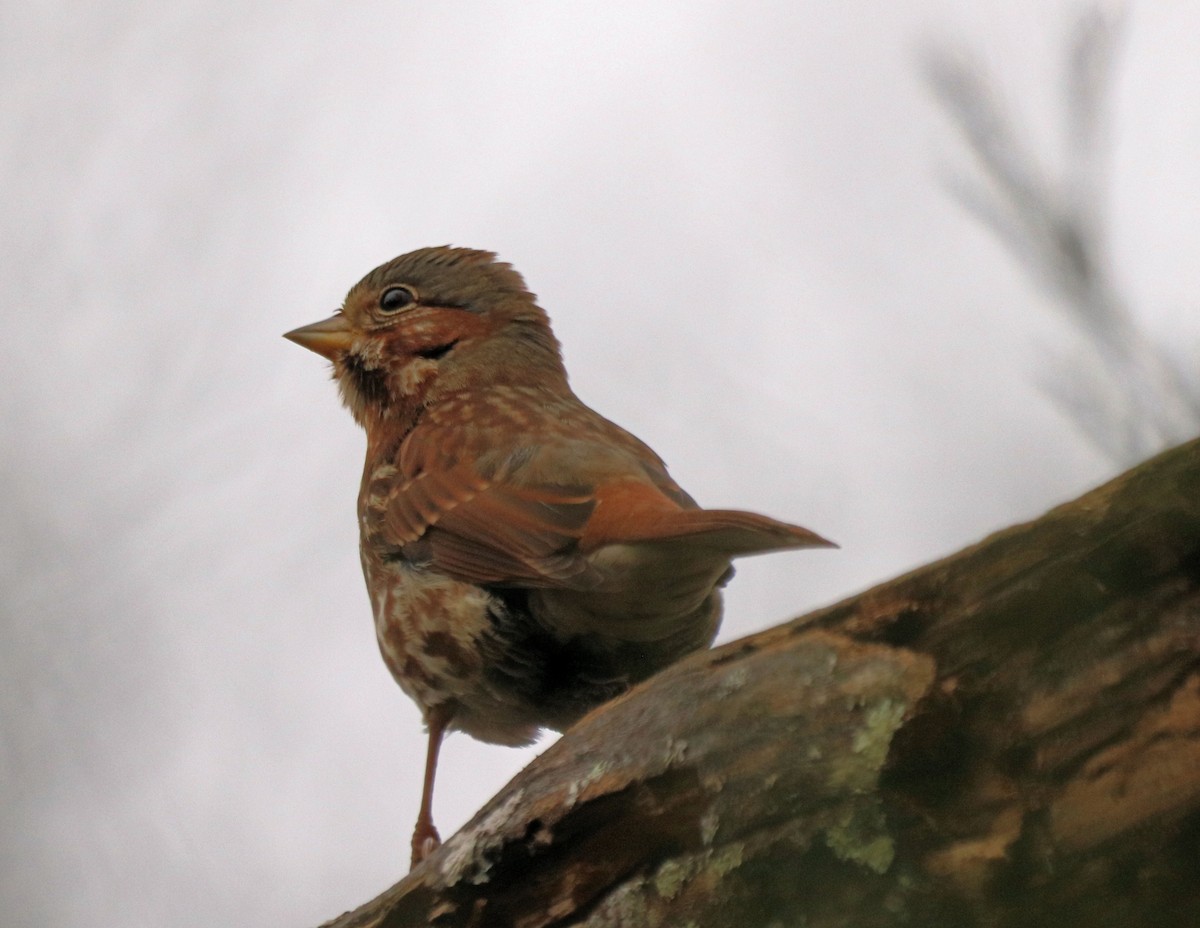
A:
<point x="526" y="558"/>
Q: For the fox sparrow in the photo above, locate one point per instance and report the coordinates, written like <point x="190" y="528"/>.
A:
<point x="526" y="558"/>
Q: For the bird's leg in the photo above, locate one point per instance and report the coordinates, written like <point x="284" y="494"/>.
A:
<point x="425" y="837"/>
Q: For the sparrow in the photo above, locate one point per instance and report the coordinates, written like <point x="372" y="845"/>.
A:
<point x="526" y="559"/>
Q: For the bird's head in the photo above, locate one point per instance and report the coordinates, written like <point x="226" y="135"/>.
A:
<point x="431" y="322"/>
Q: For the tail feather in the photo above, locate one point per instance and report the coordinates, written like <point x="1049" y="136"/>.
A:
<point x="729" y="531"/>
<point x="631" y="512"/>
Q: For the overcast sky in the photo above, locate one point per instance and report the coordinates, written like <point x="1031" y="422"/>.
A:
<point x="735" y="214"/>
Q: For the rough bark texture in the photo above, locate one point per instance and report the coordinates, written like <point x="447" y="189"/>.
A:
<point x="1010" y="736"/>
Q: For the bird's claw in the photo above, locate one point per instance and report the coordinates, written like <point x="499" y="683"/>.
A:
<point x="425" y="841"/>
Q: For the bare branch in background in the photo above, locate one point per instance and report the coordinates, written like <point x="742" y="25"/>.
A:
<point x="1130" y="395"/>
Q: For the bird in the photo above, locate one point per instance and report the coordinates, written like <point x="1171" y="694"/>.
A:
<point x="526" y="559"/>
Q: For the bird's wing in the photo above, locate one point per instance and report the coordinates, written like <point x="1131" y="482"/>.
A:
<point x="494" y="533"/>
<point x="529" y="518"/>
<point x="469" y="516"/>
<point x="503" y="533"/>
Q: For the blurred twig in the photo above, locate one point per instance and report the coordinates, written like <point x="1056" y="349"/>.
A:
<point x="1129" y="395"/>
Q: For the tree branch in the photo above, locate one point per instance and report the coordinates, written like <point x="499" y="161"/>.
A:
<point x="1009" y="736"/>
<point x="1130" y="394"/>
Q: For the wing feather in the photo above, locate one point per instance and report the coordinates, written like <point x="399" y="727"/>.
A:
<point x="530" y="522"/>
<point x="494" y="533"/>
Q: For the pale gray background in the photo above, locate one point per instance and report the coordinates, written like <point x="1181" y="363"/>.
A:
<point x="734" y="214"/>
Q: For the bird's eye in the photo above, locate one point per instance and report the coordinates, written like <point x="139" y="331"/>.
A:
<point x="394" y="299"/>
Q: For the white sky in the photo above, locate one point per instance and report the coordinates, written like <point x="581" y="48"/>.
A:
<point x="732" y="211"/>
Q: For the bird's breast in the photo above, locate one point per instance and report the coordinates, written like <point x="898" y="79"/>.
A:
<point x="426" y="625"/>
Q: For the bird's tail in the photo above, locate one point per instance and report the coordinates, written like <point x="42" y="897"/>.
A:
<point x="729" y="531"/>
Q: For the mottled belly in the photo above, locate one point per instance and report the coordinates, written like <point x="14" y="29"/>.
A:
<point x="436" y="636"/>
<point x="426" y="626"/>
<point x="499" y="660"/>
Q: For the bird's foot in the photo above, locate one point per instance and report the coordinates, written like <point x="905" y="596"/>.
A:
<point x="425" y="841"/>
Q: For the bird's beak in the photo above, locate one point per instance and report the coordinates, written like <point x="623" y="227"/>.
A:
<point x="328" y="338"/>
